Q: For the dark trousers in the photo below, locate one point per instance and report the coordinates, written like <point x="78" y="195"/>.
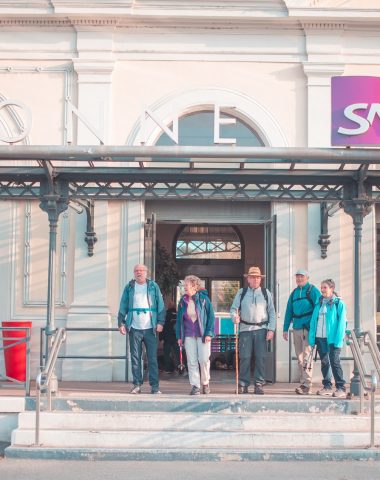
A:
<point x="171" y="354"/>
<point x="252" y="341"/>
<point x="136" y="339"/>
<point x="330" y="364"/>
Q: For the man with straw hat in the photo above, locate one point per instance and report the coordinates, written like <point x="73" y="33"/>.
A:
<point x="253" y="309"/>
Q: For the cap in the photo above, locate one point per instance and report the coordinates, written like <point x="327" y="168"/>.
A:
<point x="302" y="271"/>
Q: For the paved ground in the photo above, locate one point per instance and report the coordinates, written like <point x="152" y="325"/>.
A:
<point x="48" y="469"/>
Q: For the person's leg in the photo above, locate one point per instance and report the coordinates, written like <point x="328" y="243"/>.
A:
<point x="245" y="353"/>
<point x="259" y="350"/>
<point x="323" y="352"/>
<point x="135" y="344"/>
<point x="168" y="364"/>
<point x="298" y="349"/>
<point x="151" y="343"/>
<point x="204" y="352"/>
<point x="192" y="361"/>
<point x="336" y="367"/>
<point x="307" y="353"/>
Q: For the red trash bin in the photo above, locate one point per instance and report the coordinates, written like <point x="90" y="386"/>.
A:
<point x="15" y="356"/>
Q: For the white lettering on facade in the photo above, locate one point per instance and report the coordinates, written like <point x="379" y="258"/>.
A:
<point x="364" y="123"/>
<point x="218" y="121"/>
<point x="71" y="109"/>
<point x="173" y="134"/>
<point x="25" y="127"/>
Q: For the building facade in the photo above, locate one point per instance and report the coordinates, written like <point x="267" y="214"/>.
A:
<point x="129" y="72"/>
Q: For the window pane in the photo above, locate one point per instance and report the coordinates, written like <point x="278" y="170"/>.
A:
<point x="223" y="293"/>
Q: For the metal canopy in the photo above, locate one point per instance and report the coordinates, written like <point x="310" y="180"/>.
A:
<point x="219" y="173"/>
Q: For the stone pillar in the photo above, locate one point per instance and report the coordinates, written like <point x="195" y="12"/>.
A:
<point x="90" y="305"/>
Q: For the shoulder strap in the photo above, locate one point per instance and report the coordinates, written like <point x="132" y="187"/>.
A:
<point x="308" y="296"/>
<point x="245" y="289"/>
<point x="264" y="291"/>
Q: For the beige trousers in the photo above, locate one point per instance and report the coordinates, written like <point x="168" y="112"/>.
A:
<point x="303" y="352"/>
<point x="198" y="359"/>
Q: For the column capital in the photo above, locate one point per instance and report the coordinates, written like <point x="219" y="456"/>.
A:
<point x="357" y="208"/>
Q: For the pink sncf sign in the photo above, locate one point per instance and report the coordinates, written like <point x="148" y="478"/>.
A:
<point x="355" y="110"/>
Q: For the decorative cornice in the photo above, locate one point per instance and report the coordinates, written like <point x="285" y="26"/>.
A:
<point x="324" y="25"/>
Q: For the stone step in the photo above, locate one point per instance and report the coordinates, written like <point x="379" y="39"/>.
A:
<point x="185" y="421"/>
<point x="192" y="439"/>
<point x="209" y="404"/>
<point x="194" y="454"/>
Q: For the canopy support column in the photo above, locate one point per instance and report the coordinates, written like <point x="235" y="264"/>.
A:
<point x="357" y="209"/>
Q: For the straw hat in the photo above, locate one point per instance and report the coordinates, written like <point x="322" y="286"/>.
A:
<point x="254" y="271"/>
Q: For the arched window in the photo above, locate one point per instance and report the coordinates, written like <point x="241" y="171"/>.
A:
<point x="197" y="129"/>
<point x="213" y="242"/>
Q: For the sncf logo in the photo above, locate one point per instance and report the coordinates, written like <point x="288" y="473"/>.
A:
<point x="362" y="115"/>
<point x="355" y="111"/>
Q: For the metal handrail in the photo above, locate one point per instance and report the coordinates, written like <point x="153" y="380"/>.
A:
<point x="44" y="377"/>
<point x="354" y="342"/>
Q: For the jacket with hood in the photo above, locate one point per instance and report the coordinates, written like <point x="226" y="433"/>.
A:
<point x="335" y="321"/>
<point x="205" y="315"/>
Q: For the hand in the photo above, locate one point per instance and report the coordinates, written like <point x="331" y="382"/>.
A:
<point x="179" y="342"/>
<point x="207" y="339"/>
<point x="159" y="328"/>
<point x="285" y="336"/>
<point x="270" y="335"/>
<point x="236" y="318"/>
<point x="122" y="329"/>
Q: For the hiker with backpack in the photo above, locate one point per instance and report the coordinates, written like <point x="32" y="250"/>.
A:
<point x="299" y="310"/>
<point x="327" y="330"/>
<point x="254" y="311"/>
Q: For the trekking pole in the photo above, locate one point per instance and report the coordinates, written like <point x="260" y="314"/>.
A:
<point x="236" y="327"/>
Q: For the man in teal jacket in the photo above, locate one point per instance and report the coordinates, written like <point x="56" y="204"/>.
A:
<point x="142" y="314"/>
<point x="299" y="311"/>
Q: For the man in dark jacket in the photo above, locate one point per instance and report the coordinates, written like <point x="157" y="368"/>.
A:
<point x="299" y="311"/>
<point x="142" y="314"/>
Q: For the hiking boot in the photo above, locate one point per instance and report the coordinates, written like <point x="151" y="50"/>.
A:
<point x="195" y="391"/>
<point x="340" y="393"/>
<point x="326" y="392"/>
<point x="258" y="390"/>
<point x="243" y="389"/>
<point x="303" y="390"/>
<point x="136" y="390"/>
<point x="206" y="389"/>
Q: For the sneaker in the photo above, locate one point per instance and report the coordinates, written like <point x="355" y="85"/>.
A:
<point x="136" y="389"/>
<point x="155" y="392"/>
<point x="195" y="391"/>
<point x="258" y="390"/>
<point x="206" y="389"/>
<point x="326" y="392"/>
<point x="339" y="393"/>
<point x="303" y="390"/>
<point x="243" y="389"/>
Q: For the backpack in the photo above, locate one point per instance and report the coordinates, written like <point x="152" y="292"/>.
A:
<point x="308" y="298"/>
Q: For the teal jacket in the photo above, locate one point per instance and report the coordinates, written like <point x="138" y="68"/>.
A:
<point x="205" y="314"/>
<point x="299" y="309"/>
<point x="336" y="322"/>
<point x="155" y="301"/>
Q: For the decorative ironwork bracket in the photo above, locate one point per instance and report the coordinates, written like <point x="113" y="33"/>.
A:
<point x="90" y="234"/>
<point x="327" y="210"/>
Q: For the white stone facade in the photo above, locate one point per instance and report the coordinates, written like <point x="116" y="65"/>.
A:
<point x="271" y="59"/>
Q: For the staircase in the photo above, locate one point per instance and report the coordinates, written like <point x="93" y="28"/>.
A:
<point x="206" y="428"/>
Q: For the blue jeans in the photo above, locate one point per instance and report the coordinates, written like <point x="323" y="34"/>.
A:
<point x="330" y="364"/>
<point x="252" y="341"/>
<point x="136" y="339"/>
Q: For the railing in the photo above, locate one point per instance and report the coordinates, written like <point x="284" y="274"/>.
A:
<point x="88" y="357"/>
<point x="292" y="357"/>
<point x="14" y="342"/>
<point x="368" y="381"/>
<point x="44" y="377"/>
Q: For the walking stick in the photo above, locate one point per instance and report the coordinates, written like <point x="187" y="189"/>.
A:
<point x="236" y="328"/>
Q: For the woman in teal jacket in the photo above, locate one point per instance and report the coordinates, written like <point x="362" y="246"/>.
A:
<point x="194" y="330"/>
<point x="327" y="330"/>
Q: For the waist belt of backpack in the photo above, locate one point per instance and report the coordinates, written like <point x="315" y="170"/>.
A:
<point x="143" y="310"/>
<point x="260" y="324"/>
<point x="306" y="314"/>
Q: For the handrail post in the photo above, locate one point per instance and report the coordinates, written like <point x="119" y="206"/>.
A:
<point x="373" y="392"/>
